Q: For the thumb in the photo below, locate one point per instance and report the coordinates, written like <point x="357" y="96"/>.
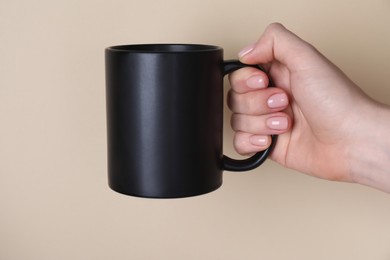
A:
<point x="279" y="44"/>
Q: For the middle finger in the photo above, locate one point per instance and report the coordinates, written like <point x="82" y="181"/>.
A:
<point x="258" y="102"/>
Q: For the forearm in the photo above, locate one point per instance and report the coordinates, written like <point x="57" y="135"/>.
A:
<point x="370" y="159"/>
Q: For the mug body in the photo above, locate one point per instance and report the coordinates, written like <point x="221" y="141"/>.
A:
<point x="164" y="119"/>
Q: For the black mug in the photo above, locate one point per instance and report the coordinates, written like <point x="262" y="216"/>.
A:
<point x="165" y="120"/>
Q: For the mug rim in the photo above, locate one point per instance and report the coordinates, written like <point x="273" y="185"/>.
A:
<point x="164" y="48"/>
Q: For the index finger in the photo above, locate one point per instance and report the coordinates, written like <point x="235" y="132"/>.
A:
<point x="248" y="79"/>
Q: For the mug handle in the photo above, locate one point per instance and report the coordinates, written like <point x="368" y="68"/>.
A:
<point x="256" y="160"/>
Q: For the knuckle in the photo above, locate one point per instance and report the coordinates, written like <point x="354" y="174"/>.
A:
<point x="240" y="143"/>
<point x="229" y="100"/>
<point x="252" y="103"/>
<point x="233" y="78"/>
<point x="236" y="122"/>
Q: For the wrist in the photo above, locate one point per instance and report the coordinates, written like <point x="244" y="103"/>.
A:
<point x="369" y="153"/>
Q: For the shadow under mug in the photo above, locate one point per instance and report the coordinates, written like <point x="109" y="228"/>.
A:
<point x="165" y="120"/>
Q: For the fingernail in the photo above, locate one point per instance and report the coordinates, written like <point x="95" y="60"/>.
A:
<point x="277" y="100"/>
<point x="258" y="140"/>
<point x="277" y="123"/>
<point x="246" y="50"/>
<point x="255" y="82"/>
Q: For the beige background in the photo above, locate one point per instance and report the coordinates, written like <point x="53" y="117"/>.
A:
<point x="54" y="199"/>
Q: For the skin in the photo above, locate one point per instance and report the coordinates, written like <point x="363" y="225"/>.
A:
<point x="327" y="126"/>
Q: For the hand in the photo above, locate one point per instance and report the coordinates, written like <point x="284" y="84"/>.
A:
<point x="322" y="118"/>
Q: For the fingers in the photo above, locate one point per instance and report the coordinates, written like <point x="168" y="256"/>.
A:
<point x="246" y="97"/>
<point x="257" y="110"/>
<point x="253" y="132"/>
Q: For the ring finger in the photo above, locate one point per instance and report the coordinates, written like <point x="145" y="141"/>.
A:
<point x="276" y="123"/>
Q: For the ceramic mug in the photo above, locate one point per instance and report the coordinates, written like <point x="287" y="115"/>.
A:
<point x="165" y="120"/>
